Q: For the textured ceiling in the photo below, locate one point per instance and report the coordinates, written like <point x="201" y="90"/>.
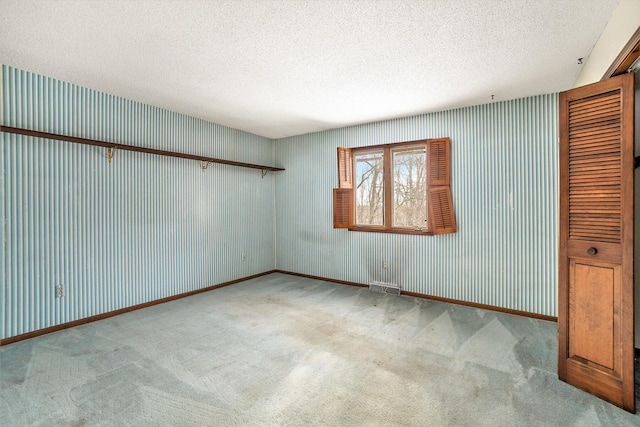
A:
<point x="280" y="68"/>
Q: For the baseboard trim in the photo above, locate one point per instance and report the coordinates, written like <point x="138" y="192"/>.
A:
<point x="50" y="329"/>
<point x="97" y="317"/>
<point x="324" y="279"/>
<point x="484" y="306"/>
<point x="435" y="298"/>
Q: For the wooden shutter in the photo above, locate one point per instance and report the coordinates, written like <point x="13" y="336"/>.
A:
<point x="441" y="219"/>
<point x="343" y="195"/>
<point x="342" y="207"/>
<point x="595" y="272"/>
<point x="441" y="215"/>
<point x="345" y="168"/>
<point x="438" y="157"/>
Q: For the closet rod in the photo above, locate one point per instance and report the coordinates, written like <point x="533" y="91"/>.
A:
<point x="116" y="146"/>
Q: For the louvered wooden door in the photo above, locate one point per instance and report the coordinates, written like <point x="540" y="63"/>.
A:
<point x="595" y="312"/>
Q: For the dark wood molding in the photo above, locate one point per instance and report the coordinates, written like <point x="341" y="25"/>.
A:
<point x="397" y="230"/>
<point x="416" y="143"/>
<point x="483" y="306"/>
<point x="124" y="147"/>
<point x="625" y="58"/>
<point x="324" y="279"/>
<point x="97" y="317"/>
<point x="435" y="298"/>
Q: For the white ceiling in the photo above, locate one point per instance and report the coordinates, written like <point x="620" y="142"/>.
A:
<point x="279" y="68"/>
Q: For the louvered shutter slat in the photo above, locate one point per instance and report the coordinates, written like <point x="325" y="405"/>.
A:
<point x="438" y="158"/>
<point x="441" y="215"/>
<point x="343" y="195"/>
<point x="345" y="168"/>
<point x="595" y="169"/>
<point x="342" y="207"/>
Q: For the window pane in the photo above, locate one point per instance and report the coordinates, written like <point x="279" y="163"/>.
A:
<point x="369" y="188"/>
<point x="410" y="187"/>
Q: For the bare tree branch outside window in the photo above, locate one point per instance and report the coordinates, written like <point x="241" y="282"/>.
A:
<point x="369" y="191"/>
<point x="409" y="180"/>
<point x="410" y="188"/>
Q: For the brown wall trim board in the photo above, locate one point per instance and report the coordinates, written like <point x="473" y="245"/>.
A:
<point x="97" y="317"/>
<point x="484" y="306"/>
<point x="125" y="147"/>
<point x="90" y="319"/>
<point x="441" y="299"/>
<point x="625" y="58"/>
<point x="324" y="279"/>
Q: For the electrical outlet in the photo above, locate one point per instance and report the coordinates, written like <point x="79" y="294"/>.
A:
<point x="384" y="264"/>
<point x="244" y="257"/>
<point x="60" y="291"/>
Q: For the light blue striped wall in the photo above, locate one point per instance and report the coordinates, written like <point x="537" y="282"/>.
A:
<point x="114" y="235"/>
<point x="504" y="183"/>
<point x="146" y="227"/>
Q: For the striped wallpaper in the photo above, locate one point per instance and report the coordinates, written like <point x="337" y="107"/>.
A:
<point x="119" y="234"/>
<point x="146" y="227"/>
<point x="504" y="184"/>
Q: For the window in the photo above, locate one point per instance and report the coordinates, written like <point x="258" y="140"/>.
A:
<point x="369" y="189"/>
<point x="409" y="176"/>
<point x="395" y="188"/>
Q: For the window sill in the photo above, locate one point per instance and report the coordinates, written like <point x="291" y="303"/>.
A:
<point x="391" y="230"/>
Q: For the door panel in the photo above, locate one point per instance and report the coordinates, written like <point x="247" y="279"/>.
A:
<point x="595" y="312"/>
<point x="592" y="314"/>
